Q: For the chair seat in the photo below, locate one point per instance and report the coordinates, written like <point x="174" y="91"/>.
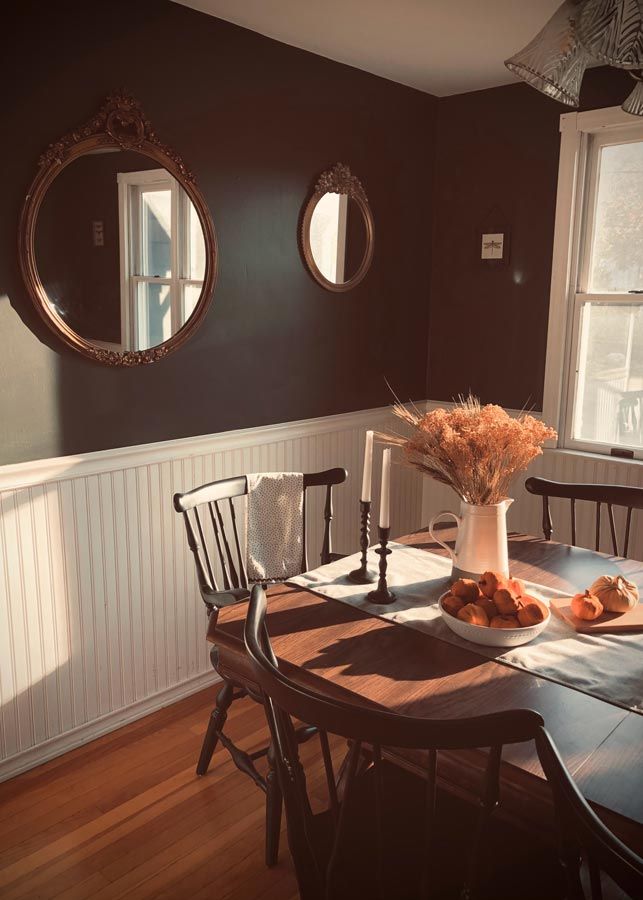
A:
<point x="220" y="599"/>
<point x="514" y="863"/>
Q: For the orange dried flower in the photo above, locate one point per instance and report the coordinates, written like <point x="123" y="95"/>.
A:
<point x="477" y="450"/>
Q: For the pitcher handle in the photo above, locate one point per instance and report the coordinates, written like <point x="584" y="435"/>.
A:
<point x="444" y="512"/>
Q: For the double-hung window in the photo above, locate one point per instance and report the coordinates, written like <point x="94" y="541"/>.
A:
<point x="594" y="382"/>
<point x="162" y="257"/>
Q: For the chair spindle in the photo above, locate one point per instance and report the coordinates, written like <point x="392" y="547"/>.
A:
<point x="242" y="571"/>
<point x="627" y="530"/>
<point x="379" y="812"/>
<point x="547" y="523"/>
<point x="610" y="512"/>
<point x="234" y="578"/>
<point x="351" y="771"/>
<point x="217" y="538"/>
<point x="328" y="518"/>
<point x="330" y="775"/>
<point x="204" y="548"/>
<point x="206" y="580"/>
<point x="573" y="505"/>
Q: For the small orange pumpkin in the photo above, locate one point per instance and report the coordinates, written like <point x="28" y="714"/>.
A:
<point x="586" y="606"/>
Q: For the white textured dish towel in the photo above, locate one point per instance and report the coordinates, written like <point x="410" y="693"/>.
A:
<point x="275" y="525"/>
<point x="607" y="666"/>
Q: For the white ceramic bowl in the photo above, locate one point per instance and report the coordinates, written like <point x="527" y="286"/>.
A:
<point x="492" y="637"/>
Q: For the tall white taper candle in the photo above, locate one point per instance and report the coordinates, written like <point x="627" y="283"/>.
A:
<point x="385" y="496"/>
<point x="368" y="468"/>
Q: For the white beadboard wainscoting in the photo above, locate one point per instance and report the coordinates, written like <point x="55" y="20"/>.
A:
<point x="100" y="616"/>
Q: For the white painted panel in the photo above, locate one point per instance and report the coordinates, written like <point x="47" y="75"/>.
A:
<point x="100" y="615"/>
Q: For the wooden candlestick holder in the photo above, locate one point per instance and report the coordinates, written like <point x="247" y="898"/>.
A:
<point x="381" y="594"/>
<point x="363" y="575"/>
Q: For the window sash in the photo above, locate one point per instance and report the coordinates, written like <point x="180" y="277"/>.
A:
<point x="593" y="152"/>
<point x="573" y="375"/>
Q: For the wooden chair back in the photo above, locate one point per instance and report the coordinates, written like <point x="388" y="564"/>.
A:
<point x="582" y="834"/>
<point x="286" y="701"/>
<point x="210" y="518"/>
<point x="610" y="495"/>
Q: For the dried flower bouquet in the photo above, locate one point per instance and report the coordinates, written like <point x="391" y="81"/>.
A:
<point x="477" y="450"/>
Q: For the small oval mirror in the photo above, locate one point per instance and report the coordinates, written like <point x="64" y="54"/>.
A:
<point x="337" y="231"/>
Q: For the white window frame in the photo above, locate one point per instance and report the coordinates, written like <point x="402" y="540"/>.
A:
<point x="129" y="187"/>
<point x="573" y="234"/>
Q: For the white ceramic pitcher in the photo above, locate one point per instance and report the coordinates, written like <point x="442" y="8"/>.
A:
<point x="481" y="544"/>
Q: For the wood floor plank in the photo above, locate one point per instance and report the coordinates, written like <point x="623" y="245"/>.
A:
<point x="126" y="816"/>
<point x="106" y="757"/>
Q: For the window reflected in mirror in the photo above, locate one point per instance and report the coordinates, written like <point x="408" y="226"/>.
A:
<point x="120" y="250"/>
<point x="163" y="257"/>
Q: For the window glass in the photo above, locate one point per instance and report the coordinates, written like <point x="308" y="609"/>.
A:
<point x="153" y="314"/>
<point x="191" y="294"/>
<point x="609" y="385"/>
<point x="616" y="262"/>
<point x="156" y="227"/>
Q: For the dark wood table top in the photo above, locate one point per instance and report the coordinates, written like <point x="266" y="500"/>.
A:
<point x="343" y="651"/>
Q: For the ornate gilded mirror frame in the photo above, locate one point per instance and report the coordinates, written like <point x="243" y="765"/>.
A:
<point x="338" y="180"/>
<point x="120" y="124"/>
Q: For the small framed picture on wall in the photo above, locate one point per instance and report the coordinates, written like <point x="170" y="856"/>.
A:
<point x="493" y="246"/>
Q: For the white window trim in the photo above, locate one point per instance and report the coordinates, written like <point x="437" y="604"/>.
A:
<point x="575" y="129"/>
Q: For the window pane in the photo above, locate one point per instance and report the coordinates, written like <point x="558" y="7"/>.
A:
<point x="617" y="252"/>
<point x="609" y="392"/>
<point x="156" y="228"/>
<point x="153" y="314"/>
<point x="196" y="254"/>
<point x="191" y="294"/>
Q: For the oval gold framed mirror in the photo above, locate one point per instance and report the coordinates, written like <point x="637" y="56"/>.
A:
<point x="117" y="247"/>
<point x="337" y="231"/>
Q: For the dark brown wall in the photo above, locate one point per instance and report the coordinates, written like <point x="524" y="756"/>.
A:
<point x="497" y="158"/>
<point x="257" y="121"/>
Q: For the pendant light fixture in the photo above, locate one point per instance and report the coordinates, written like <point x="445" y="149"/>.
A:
<point x="581" y="32"/>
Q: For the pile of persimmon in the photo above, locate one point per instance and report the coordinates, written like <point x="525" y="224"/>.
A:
<point x="494" y="602"/>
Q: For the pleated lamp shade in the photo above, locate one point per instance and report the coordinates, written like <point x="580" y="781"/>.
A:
<point x="554" y="62"/>
<point x="634" y="103"/>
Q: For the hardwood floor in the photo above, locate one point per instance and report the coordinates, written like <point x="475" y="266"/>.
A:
<point x="126" y="816"/>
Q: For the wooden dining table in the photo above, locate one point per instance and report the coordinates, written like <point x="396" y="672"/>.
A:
<point x="346" y="653"/>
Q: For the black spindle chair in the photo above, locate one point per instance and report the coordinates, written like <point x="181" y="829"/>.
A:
<point x="582" y="836"/>
<point x="316" y="861"/>
<point x="210" y="519"/>
<point x="609" y="495"/>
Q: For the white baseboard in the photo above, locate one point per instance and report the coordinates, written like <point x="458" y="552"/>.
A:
<point x="41" y="753"/>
